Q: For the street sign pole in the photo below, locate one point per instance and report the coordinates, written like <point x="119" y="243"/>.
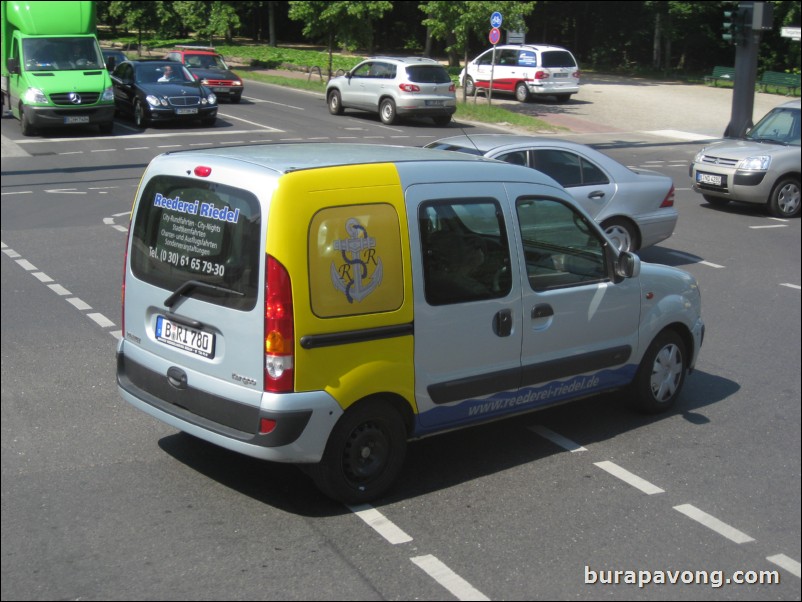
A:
<point x="494" y="37"/>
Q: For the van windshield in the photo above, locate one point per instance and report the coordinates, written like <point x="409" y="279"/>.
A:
<point x="781" y="125"/>
<point x="202" y="233"/>
<point x="61" y="54"/>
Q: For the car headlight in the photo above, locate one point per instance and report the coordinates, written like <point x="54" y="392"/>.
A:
<point x="155" y="101"/>
<point x="211" y="99"/>
<point x="757" y="163"/>
<point x="108" y="94"/>
<point x="35" y="95"/>
<point x="699" y="156"/>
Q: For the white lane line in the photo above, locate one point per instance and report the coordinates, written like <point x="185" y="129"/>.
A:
<point x="556" y="438"/>
<point x="767" y="227"/>
<point x="11" y="253"/>
<point x="380" y="523"/>
<point x="204" y="134"/>
<point x="59" y="290"/>
<point x="21" y="192"/>
<point x="680" y="135"/>
<point x="785" y="562"/>
<point x="26" y="265"/>
<point x="259" y="125"/>
<point x="79" y="304"/>
<point x="629" y="478"/>
<point x="42" y="277"/>
<point x="789" y="285"/>
<point x="711" y="522"/>
<point x="448" y="578"/>
<point x="117" y="334"/>
<point x="695" y="259"/>
<point x="100" y="320"/>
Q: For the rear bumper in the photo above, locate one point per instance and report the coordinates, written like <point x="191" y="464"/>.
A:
<point x="303" y="421"/>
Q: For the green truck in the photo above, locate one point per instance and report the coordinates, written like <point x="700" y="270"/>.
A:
<point x="53" y="74"/>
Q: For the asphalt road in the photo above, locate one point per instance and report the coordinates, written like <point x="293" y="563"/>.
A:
<point x="101" y="502"/>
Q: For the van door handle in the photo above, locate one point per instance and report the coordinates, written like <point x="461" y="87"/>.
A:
<point x="596" y="194"/>
<point x="544" y="310"/>
<point x="502" y="323"/>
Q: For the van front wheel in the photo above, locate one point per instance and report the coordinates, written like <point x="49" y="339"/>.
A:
<point x="364" y="454"/>
<point x="661" y="374"/>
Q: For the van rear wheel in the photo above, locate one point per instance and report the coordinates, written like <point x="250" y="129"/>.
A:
<point x="364" y="454"/>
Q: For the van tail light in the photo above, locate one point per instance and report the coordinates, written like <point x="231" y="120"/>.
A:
<point x="669" y="200"/>
<point x="576" y="74"/>
<point x="452" y="88"/>
<point x="409" y="87"/>
<point x="279" y="343"/>
<point x="125" y="271"/>
<point x="541" y="75"/>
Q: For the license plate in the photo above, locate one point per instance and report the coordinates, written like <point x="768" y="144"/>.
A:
<point x="186" y="338"/>
<point x="558" y="75"/>
<point x="77" y="119"/>
<point x="710" y="179"/>
<point x="192" y="111"/>
<point x="218" y="89"/>
<point x="434" y="103"/>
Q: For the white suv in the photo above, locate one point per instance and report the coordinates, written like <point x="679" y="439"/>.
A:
<point x="395" y="88"/>
<point x="524" y="70"/>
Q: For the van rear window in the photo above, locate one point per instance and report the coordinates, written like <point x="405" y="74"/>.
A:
<point x="186" y="230"/>
<point x="557" y="58"/>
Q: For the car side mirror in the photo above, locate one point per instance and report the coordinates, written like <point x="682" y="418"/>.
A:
<point x="627" y="265"/>
<point x="13" y="66"/>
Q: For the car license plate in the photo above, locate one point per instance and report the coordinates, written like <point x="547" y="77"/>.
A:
<point x="434" y="103"/>
<point x="186" y="338"/>
<point x="76" y="119"/>
<point x="560" y="75"/>
<point x="191" y="111"/>
<point x="708" y="178"/>
<point x="219" y="89"/>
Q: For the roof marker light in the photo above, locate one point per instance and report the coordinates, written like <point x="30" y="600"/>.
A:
<point x="202" y="171"/>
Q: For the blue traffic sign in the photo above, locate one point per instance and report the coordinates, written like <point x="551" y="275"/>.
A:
<point x="495" y="19"/>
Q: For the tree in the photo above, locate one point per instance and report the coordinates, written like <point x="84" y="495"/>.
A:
<point x="347" y="24"/>
<point x="136" y="16"/>
<point x="208" y="19"/>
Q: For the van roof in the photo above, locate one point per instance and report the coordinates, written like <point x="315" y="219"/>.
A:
<point x="289" y="157"/>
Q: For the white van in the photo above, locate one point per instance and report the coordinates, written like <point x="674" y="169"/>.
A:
<point x="524" y="70"/>
<point x="321" y="304"/>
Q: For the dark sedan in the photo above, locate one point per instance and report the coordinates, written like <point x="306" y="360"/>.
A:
<point x="158" y="91"/>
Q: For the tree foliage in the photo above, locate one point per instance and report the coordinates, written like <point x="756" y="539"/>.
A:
<point x="672" y="36"/>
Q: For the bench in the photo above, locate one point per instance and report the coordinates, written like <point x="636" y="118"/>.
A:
<point x="724" y="73"/>
<point x="778" y="79"/>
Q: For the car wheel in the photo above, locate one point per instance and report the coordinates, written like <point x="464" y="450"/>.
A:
<point x="661" y="374"/>
<point x="335" y="103"/>
<point x="784" y="199"/>
<point x="622" y="233"/>
<point x="364" y="454"/>
<point x="562" y="97"/>
<point x="716" y="201"/>
<point x="25" y="123"/>
<point x="387" y="111"/>
<point x="521" y="92"/>
<point x="140" y="118"/>
<point x="470" y="87"/>
<point x="442" y="120"/>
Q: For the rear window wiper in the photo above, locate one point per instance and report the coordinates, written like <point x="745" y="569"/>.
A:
<point x="190" y="285"/>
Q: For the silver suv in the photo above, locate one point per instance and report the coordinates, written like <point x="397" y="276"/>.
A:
<point x="395" y="88"/>
<point x="762" y="167"/>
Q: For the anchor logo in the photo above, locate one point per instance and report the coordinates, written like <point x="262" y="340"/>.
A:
<point x="358" y="252"/>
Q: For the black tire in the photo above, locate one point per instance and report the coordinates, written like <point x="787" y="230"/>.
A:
<point x="784" y="200"/>
<point x="470" y="87"/>
<point x="521" y="92"/>
<point x="387" y="112"/>
<point x="335" y="103"/>
<point x="364" y="454"/>
<point x="442" y="120"/>
<point x="25" y="123"/>
<point x="140" y="117"/>
<point x="716" y="201"/>
<point x="661" y="374"/>
<point x="622" y="233"/>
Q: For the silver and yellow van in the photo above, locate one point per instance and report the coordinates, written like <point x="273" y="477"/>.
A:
<point x="322" y="304"/>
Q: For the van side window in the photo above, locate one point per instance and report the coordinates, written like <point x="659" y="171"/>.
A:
<point x="465" y="251"/>
<point x="560" y="246"/>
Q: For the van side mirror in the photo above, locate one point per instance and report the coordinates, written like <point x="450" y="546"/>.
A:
<point x="13" y="66"/>
<point x="627" y="265"/>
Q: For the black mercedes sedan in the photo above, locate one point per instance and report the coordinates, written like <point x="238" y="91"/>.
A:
<point x="153" y="91"/>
